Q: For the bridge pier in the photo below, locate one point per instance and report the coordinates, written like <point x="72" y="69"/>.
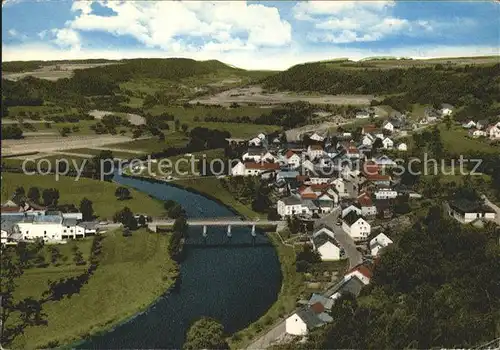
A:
<point x="229" y="234"/>
<point x="205" y="233"/>
<point x="253" y="231"/>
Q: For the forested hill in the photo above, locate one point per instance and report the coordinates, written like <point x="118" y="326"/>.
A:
<point x="458" y="85"/>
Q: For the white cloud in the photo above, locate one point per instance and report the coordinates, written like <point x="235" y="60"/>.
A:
<point x="65" y="38"/>
<point x="352" y="21"/>
<point x="174" y="25"/>
<point x="13" y="33"/>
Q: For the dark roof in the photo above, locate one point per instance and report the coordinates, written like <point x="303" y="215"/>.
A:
<point x="291" y="200"/>
<point x="467" y="206"/>
<point x="352" y="217"/>
<point x="322" y="238"/>
<point x="309" y="318"/>
<point x="69" y="222"/>
<point x="353" y="286"/>
<point x="256" y="151"/>
<point x="383" y="204"/>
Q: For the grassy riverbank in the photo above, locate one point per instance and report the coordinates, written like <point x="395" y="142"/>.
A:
<point x="132" y="273"/>
<point x="101" y="193"/>
<point x="292" y="286"/>
<point x="212" y="188"/>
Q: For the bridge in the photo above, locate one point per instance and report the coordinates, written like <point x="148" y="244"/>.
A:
<point x="221" y="222"/>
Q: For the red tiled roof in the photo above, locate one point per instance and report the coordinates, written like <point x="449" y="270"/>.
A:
<point x="289" y="154"/>
<point x="365" y="201"/>
<point x="8" y="209"/>
<point x="371" y="168"/>
<point x="352" y="150"/>
<point x="302" y="178"/>
<point x="377" y="177"/>
<point x="309" y="196"/>
<point x="263" y="166"/>
<point x="362" y="269"/>
<point x="317" y="308"/>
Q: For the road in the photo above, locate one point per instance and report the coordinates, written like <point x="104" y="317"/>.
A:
<point x="494" y="207"/>
<point x="271" y="336"/>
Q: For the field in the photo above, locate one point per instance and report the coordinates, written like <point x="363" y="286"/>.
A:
<point x="133" y="272"/>
<point x="101" y="193"/>
<point x="257" y="95"/>
<point x="52" y="72"/>
<point x="152" y="144"/>
<point x="456" y="140"/>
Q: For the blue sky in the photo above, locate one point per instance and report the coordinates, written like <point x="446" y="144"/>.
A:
<point x="272" y="35"/>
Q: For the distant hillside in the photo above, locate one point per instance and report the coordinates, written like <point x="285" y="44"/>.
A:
<point x="26" y="66"/>
<point x="461" y="85"/>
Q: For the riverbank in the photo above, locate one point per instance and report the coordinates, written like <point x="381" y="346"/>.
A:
<point x="100" y="193"/>
<point x="292" y="286"/>
<point x="132" y="274"/>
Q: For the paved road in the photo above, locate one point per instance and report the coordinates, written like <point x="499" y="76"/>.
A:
<point x="494" y="207"/>
<point x="271" y="336"/>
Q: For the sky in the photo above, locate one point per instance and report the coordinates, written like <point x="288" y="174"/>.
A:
<point x="248" y="34"/>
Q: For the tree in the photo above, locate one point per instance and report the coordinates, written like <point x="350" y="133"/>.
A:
<point x="102" y="165"/>
<point x="206" y="333"/>
<point x="11" y="132"/>
<point x="126" y="218"/>
<point x="181" y="225"/>
<point x="136" y="133"/>
<point x="177" y="124"/>
<point x="65" y="131"/>
<point x="78" y="257"/>
<point x="141" y="221"/>
<point x="175" y="211"/>
<point x="184" y="128"/>
<point x="169" y="204"/>
<point x="86" y="209"/>
<point x="122" y="193"/>
<point x="34" y="194"/>
<point x="377" y="143"/>
<point x="50" y="197"/>
<point x="55" y="254"/>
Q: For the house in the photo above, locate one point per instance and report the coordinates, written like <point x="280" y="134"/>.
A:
<point x="403" y="147"/>
<point x="388" y="126"/>
<point x="255" y="142"/>
<point x="352" y="285"/>
<point x="384" y="161"/>
<point x="49" y="226"/>
<point x="378" y="179"/>
<point x="253" y="168"/>
<point x="446" y="109"/>
<point x="340" y="186"/>
<point x="469" y="125"/>
<point x="326" y="245"/>
<point x="306" y="319"/>
<point x="368" y="129"/>
<point x="385" y="193"/>
<point x="367" y="140"/>
<point x="478" y="133"/>
<point x="362" y="272"/>
<point x="379" y="242"/>
<point x="482" y="124"/>
<point x="292" y="159"/>
<point x="466" y="211"/>
<point x="289" y="206"/>
<point x="314" y="151"/>
<point x="348" y="208"/>
<point x="316" y="137"/>
<point x="11" y="207"/>
<point x="388" y="143"/>
<point x="308" y="167"/>
<point x="287" y="175"/>
<point x="494" y="131"/>
<point x="368" y="209"/>
<point x="258" y="155"/>
<point x="356" y="226"/>
<point x="318" y="298"/>
<point x="362" y="115"/>
<point x="352" y="152"/>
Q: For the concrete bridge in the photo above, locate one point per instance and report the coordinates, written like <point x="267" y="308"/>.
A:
<point x="221" y="222"/>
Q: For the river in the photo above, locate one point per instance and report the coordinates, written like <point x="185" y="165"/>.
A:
<point x="234" y="282"/>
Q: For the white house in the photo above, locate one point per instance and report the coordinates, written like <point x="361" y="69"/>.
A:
<point x="325" y="244"/>
<point x="258" y="155"/>
<point x="49" y="228"/>
<point x="308" y="166"/>
<point x="253" y="168"/>
<point x="470" y="124"/>
<point x="367" y="140"/>
<point x="289" y="206"/>
<point x="356" y="226"/>
<point x="316" y="137"/>
<point x="478" y="133"/>
<point x="388" y="126"/>
<point x="388" y="143"/>
<point x="368" y="208"/>
<point x="466" y="211"/>
<point x="362" y="115"/>
<point x="352" y="285"/>
<point x="494" y="131"/>
<point x="292" y="159"/>
<point x="256" y="142"/>
<point x="482" y="124"/>
<point x="340" y="186"/>
<point x="238" y="169"/>
<point x="403" y="147"/>
<point x="385" y="193"/>
<point x="362" y="272"/>
<point x="303" y="321"/>
<point x="314" y="151"/>
<point x="446" y="109"/>
<point x="379" y="242"/>
<point x="351" y="208"/>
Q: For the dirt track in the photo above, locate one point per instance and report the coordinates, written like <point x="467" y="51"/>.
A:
<point x="51" y="144"/>
<point x="255" y="94"/>
<point x="135" y="119"/>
